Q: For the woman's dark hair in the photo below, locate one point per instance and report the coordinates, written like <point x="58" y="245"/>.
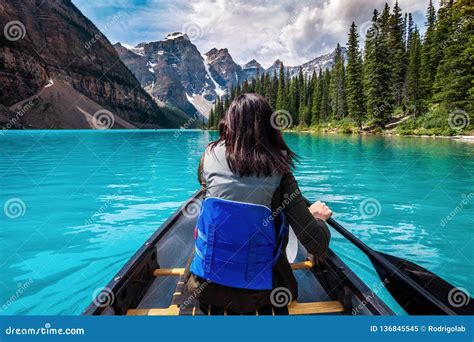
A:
<point x="253" y="145"/>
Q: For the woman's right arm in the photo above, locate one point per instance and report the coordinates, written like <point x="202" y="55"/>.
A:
<point x="311" y="231"/>
<point x="200" y="171"/>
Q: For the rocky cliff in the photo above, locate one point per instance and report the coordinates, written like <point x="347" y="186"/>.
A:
<point x="174" y="72"/>
<point x="51" y="42"/>
<point x="223" y="68"/>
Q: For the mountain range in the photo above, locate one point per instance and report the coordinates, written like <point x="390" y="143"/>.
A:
<point x="57" y="70"/>
<point x="174" y="72"/>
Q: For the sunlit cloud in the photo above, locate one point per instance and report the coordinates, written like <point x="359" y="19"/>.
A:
<point x="294" y="31"/>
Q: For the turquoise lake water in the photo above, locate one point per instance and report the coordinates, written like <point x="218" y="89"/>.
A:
<point x="75" y="205"/>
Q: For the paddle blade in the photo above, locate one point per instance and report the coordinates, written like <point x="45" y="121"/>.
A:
<point x="419" y="291"/>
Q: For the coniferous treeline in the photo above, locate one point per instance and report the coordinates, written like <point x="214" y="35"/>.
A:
<point x="396" y="71"/>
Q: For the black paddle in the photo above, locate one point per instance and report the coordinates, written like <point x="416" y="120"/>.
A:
<point x="417" y="290"/>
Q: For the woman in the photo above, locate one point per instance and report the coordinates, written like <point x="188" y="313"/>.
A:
<point x="250" y="197"/>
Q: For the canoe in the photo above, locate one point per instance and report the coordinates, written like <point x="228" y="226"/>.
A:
<point x="153" y="281"/>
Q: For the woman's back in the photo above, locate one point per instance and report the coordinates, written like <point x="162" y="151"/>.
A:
<point x="221" y="182"/>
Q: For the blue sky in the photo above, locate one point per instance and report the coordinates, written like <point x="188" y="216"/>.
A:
<point x="294" y="31"/>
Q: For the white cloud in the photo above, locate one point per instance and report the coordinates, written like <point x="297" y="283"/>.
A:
<point x="294" y="31"/>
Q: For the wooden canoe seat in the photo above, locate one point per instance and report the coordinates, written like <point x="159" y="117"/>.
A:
<point x="295" y="308"/>
<point x="167" y="272"/>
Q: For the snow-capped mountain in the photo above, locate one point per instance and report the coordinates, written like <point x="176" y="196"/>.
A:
<point x="174" y="72"/>
<point x="319" y="63"/>
<point x="222" y="67"/>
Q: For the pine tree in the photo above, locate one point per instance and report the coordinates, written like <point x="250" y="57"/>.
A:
<point x="414" y="72"/>
<point x="378" y="69"/>
<point x="398" y="53"/>
<point x="281" y="94"/>
<point x="338" y="91"/>
<point x="355" y="86"/>
<point x="317" y="97"/>
<point x="275" y="84"/>
<point x="428" y="64"/>
<point x="293" y="100"/>
<point x="211" y="120"/>
<point x="410" y="28"/>
<point x="325" y="97"/>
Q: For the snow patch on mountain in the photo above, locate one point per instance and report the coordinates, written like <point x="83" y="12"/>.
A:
<point x="176" y="35"/>
<point x="199" y="102"/>
<point x="219" y="90"/>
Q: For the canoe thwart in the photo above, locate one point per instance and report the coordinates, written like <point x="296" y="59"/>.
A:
<point x="305" y="265"/>
<point x="313" y="308"/>
<point x="166" y="272"/>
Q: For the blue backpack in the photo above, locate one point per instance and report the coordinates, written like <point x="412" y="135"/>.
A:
<point x="236" y="244"/>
